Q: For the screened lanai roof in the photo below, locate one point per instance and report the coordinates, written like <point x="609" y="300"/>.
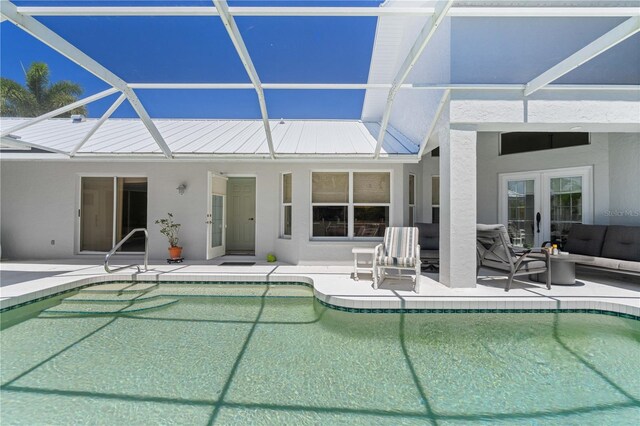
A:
<point x="352" y="78"/>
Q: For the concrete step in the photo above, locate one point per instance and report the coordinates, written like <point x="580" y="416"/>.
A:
<point x="107" y="296"/>
<point x="109" y="293"/>
<point x="120" y="287"/>
<point x="110" y="308"/>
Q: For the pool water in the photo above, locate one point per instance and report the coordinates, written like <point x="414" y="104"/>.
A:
<point x="199" y="354"/>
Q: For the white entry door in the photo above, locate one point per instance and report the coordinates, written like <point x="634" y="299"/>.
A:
<point x="542" y="205"/>
<point x="216" y="216"/>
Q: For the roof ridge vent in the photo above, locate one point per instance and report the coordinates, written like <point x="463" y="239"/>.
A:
<point x="78" y="118"/>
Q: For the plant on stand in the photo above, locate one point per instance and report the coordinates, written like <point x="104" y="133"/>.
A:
<point x="170" y="229"/>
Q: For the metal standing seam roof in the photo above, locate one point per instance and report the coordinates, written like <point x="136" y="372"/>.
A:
<point x="233" y="137"/>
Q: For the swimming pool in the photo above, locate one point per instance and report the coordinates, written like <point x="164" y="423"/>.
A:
<point x="271" y="354"/>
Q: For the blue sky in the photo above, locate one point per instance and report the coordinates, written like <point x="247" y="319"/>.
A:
<point x="198" y="50"/>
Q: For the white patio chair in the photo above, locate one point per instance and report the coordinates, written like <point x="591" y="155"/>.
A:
<point x="400" y="251"/>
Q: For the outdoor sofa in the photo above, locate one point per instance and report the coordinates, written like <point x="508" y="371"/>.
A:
<point x="614" y="247"/>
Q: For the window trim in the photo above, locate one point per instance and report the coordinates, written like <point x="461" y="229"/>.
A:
<point x="412" y="206"/>
<point x="431" y="201"/>
<point x="283" y="206"/>
<point x="114" y="177"/>
<point x="350" y="205"/>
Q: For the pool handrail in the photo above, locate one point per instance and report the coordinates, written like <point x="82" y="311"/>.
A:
<point x="120" y="243"/>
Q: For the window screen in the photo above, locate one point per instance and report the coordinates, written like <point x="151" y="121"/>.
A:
<point x="519" y="142"/>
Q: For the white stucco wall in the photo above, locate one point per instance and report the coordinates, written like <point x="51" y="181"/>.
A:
<point x="490" y="165"/>
<point x="614" y="157"/>
<point x="624" y="179"/>
<point x="597" y="111"/>
<point x="40" y="201"/>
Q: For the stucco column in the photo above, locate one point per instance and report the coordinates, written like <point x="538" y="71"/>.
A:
<point x="458" y="207"/>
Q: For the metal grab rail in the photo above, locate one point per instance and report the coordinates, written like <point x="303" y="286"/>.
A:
<point x="122" y="241"/>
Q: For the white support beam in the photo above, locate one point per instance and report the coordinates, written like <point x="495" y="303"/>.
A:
<point x="458" y="207"/>
<point x="544" y="12"/>
<point x="59" y="111"/>
<point x="425" y="142"/>
<point x="22" y="145"/>
<point x="53" y="40"/>
<point x="96" y="126"/>
<point x="414" y="54"/>
<point x="331" y="11"/>
<point x="376" y="86"/>
<point x="280" y="86"/>
<point x="236" y="38"/>
<point x="234" y="11"/>
<point x="117" y="11"/>
<point x="620" y="33"/>
<point x="471" y="12"/>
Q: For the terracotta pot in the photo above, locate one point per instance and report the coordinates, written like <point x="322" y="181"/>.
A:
<point x="175" y="252"/>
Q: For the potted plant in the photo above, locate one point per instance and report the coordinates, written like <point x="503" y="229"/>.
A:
<point x="170" y="229"/>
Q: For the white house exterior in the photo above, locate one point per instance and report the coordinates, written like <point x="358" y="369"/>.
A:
<point x="470" y="80"/>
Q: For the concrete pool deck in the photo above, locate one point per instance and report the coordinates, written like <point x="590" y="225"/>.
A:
<point x="25" y="281"/>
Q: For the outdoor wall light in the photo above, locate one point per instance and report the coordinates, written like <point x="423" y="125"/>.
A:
<point x="181" y="188"/>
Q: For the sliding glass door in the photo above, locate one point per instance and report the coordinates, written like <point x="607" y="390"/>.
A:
<point x="541" y="206"/>
<point x="110" y="208"/>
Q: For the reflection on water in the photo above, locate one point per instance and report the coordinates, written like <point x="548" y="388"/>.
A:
<point x="271" y="359"/>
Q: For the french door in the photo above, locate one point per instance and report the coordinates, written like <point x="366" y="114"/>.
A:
<point x="216" y="216"/>
<point x="541" y="206"/>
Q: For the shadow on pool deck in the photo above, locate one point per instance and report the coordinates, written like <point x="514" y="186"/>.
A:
<point x="8" y="278"/>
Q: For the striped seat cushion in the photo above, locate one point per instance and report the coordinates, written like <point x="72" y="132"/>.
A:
<point x="400" y="247"/>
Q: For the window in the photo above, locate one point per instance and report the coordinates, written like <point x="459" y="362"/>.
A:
<point x="412" y="199"/>
<point x="519" y="142"/>
<point x="435" y="199"/>
<point x="110" y="208"/>
<point x="285" y="212"/>
<point x="350" y="204"/>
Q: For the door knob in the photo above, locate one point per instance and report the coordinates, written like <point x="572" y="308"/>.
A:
<point x="250" y="218"/>
<point x="538" y="221"/>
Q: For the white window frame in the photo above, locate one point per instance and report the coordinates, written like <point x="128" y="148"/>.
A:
<point x="114" y="177"/>
<point x="439" y="195"/>
<point x="543" y="180"/>
<point x="284" y="205"/>
<point x="350" y="204"/>
<point x="412" y="206"/>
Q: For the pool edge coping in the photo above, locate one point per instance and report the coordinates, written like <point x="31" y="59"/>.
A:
<point x="366" y="304"/>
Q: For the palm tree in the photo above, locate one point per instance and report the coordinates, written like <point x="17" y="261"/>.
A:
<point x="38" y="96"/>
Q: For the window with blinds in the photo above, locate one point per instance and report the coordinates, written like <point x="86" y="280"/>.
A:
<point x="350" y="204"/>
